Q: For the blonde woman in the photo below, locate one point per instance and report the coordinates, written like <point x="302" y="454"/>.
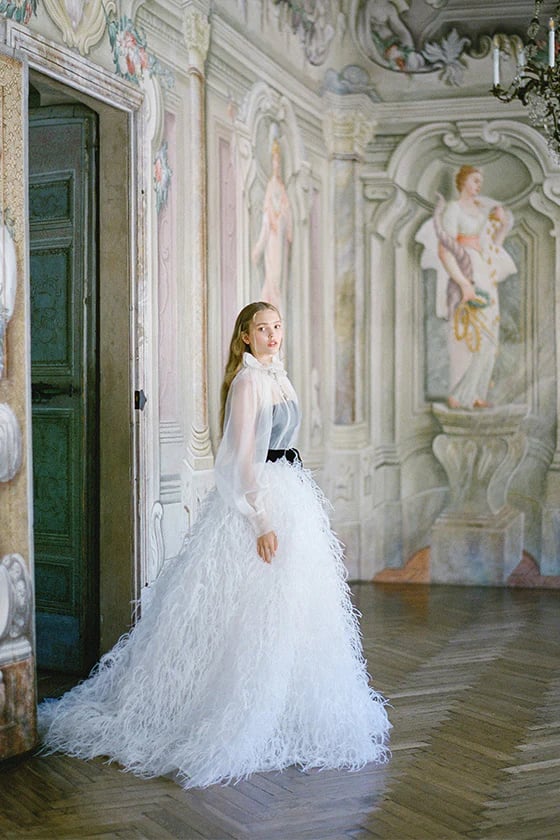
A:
<point x="249" y="656"/>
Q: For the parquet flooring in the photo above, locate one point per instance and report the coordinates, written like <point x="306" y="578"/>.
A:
<point x="473" y="675"/>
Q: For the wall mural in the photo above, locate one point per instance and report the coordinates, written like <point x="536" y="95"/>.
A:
<point x="463" y="243"/>
<point x="162" y="175"/>
<point x="130" y="52"/>
<point x="19" y="10"/>
<point x="275" y="237"/>
<point x="311" y="21"/>
<point x="389" y="42"/>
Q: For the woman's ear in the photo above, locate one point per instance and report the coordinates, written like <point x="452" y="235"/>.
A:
<point x="245" y="338"/>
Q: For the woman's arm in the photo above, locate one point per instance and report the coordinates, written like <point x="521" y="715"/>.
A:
<point x="239" y="467"/>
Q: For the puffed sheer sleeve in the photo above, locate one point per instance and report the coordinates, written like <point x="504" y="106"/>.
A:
<point x="239" y="466"/>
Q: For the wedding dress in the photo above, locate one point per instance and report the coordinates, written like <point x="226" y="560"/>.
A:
<point x="237" y="666"/>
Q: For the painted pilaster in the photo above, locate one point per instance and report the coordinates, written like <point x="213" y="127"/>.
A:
<point x="199" y="460"/>
<point x="196" y="30"/>
<point x="348" y="127"/>
<point x="550" y="547"/>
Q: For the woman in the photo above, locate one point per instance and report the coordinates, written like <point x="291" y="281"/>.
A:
<point x="471" y="232"/>
<point x="248" y="657"/>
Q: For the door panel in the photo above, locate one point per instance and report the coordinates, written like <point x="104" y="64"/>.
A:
<point x="63" y="261"/>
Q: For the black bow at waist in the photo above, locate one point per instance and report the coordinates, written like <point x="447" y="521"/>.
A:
<point x="291" y="455"/>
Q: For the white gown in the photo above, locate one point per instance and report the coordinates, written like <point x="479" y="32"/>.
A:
<point x="237" y="666"/>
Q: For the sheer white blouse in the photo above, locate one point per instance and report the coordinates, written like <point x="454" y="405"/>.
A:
<point x="261" y="413"/>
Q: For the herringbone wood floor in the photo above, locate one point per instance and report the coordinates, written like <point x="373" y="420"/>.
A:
<point x="474" y="680"/>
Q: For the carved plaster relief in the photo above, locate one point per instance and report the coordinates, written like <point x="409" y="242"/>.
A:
<point x="81" y="22"/>
<point x="16" y="600"/>
<point x="11" y="447"/>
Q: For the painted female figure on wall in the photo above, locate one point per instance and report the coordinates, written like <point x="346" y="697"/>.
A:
<point x="470" y="232"/>
<point x="275" y="236"/>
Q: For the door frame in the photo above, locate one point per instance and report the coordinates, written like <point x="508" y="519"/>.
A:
<point x="119" y="105"/>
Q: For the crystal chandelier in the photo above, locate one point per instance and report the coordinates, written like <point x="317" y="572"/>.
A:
<point x="537" y="78"/>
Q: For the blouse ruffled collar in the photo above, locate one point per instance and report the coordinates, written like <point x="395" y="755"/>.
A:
<point x="274" y="368"/>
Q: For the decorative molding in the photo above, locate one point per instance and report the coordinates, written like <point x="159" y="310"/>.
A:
<point x="157" y="545"/>
<point x="348" y="126"/>
<point x="11" y="446"/>
<point x="82" y="22"/>
<point x="351" y="79"/>
<point x="480" y="453"/>
<point x="66" y="66"/>
<point x="16" y="602"/>
<point x="196" y="34"/>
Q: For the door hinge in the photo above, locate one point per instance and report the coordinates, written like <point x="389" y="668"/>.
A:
<point x="140" y="400"/>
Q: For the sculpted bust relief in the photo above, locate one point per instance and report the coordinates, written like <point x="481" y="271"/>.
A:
<point x="10" y="443"/>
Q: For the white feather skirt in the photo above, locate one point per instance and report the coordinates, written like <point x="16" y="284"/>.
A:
<point x="236" y="666"/>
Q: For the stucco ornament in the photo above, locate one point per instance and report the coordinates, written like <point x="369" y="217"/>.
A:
<point x="81" y="22"/>
<point x="10" y="444"/>
<point x="386" y="39"/>
<point x="15" y="598"/>
<point x="196" y="32"/>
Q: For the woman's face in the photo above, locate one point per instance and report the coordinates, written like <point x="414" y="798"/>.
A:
<point x="472" y="184"/>
<point x="265" y="335"/>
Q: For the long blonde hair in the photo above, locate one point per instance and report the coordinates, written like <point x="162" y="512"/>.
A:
<point x="237" y="347"/>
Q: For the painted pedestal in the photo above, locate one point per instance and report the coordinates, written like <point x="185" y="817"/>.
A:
<point x="478" y="538"/>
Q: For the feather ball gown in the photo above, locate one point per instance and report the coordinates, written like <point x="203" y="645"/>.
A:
<point x="237" y="666"/>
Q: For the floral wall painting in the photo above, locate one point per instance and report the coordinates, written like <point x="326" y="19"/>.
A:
<point x="464" y="245"/>
<point x="130" y="52"/>
<point x="162" y="176"/>
<point x="8" y="285"/>
<point x="19" y="10"/>
<point x="272" y="247"/>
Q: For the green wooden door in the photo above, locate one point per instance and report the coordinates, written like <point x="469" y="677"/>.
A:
<point x="62" y="226"/>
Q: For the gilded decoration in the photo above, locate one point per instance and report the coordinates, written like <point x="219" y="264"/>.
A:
<point x="82" y="22"/>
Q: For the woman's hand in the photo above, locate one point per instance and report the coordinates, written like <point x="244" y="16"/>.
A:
<point x="267" y="546"/>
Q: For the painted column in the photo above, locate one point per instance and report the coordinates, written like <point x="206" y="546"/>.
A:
<point x="196" y="31"/>
<point x="550" y="548"/>
<point x="348" y="127"/>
